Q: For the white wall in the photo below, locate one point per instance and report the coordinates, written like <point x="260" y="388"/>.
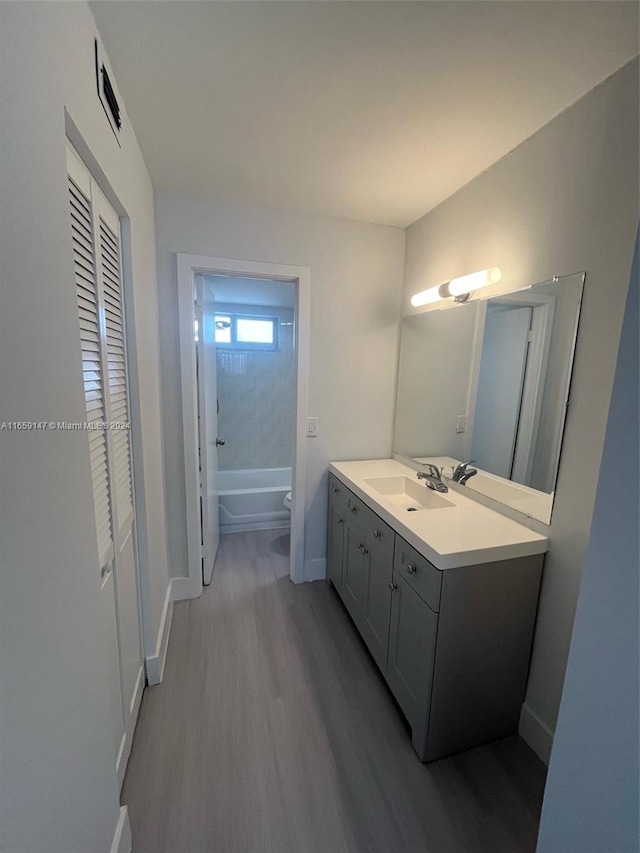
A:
<point x="58" y="789"/>
<point x="356" y="280"/>
<point x="592" y="793"/>
<point x="565" y="200"/>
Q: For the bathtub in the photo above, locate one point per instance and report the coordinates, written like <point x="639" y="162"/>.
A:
<point x="252" y="499"/>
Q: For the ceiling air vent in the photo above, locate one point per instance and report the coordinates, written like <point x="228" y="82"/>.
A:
<point x="107" y="91"/>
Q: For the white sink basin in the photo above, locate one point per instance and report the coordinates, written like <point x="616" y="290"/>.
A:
<point x="408" y="494"/>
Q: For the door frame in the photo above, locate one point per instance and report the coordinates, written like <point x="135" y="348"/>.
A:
<point x="535" y="370"/>
<point x="187" y="267"/>
<point x="533" y="388"/>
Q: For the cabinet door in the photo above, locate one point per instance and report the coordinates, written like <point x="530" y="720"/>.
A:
<point x="376" y="604"/>
<point x="354" y="569"/>
<point x="336" y="538"/>
<point x="412" y="641"/>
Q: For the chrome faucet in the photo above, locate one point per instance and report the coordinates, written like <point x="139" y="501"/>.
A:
<point x="432" y="477"/>
<point x="462" y="473"/>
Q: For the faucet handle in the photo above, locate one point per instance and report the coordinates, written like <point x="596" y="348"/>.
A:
<point x="433" y="470"/>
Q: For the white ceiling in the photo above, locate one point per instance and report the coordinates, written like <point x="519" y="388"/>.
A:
<point x="375" y="111"/>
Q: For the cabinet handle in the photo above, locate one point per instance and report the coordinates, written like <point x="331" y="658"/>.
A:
<point x="376" y="534"/>
<point x="359" y="546"/>
<point x="352" y="508"/>
<point x="341" y="521"/>
<point x="411" y="568"/>
<point x="335" y="491"/>
<point x="363" y="551"/>
<point x="393" y="586"/>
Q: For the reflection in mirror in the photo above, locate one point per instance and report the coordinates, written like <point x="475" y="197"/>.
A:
<point x="489" y="380"/>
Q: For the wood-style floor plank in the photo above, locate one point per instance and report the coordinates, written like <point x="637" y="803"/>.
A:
<point x="273" y="732"/>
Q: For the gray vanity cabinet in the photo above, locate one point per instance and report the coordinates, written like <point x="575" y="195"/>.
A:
<point x="453" y="645"/>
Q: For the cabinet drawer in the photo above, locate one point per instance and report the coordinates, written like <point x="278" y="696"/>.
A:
<point x="337" y="491"/>
<point x="418" y="572"/>
<point x="378" y="529"/>
<point x="357" y="508"/>
<point x="382" y="535"/>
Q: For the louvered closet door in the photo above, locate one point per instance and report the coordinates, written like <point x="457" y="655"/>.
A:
<point x="97" y="255"/>
<point x="94" y="391"/>
<point x="116" y="365"/>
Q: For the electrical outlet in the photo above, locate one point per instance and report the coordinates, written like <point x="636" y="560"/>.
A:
<point x="461" y="423"/>
<point x="312" y="427"/>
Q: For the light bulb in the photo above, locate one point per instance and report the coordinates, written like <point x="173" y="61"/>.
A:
<point x="426" y="297"/>
<point x="474" y="281"/>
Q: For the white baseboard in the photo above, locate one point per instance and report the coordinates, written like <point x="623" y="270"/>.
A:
<point x="315" y="570"/>
<point x="127" y="739"/>
<point x="536" y="733"/>
<point x="122" y="841"/>
<point x="184" y="588"/>
<point x="136" y="699"/>
<point x="155" y="663"/>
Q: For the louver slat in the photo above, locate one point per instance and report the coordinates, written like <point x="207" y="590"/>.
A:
<point x="86" y="291"/>
<point x="117" y="390"/>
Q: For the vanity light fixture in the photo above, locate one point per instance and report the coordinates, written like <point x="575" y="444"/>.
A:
<point x="458" y="288"/>
<point x="426" y="297"/>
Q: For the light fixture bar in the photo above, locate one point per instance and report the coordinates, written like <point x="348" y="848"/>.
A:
<point x="426" y="297"/>
<point x="474" y="281"/>
<point x="458" y="288"/>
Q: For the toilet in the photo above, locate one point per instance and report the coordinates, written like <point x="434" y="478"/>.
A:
<point x="288" y="500"/>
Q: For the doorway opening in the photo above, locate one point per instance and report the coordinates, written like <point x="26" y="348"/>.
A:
<point x="244" y="357"/>
<point x="513" y="354"/>
<point x="254" y="333"/>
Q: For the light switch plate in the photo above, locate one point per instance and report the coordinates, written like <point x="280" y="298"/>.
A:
<point x="461" y="423"/>
<point x="312" y="427"/>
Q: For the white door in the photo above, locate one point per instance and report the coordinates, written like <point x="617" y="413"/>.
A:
<point x="207" y="425"/>
<point x="95" y="229"/>
<point x="504" y="356"/>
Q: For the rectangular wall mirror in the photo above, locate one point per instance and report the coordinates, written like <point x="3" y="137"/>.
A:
<point x="488" y="380"/>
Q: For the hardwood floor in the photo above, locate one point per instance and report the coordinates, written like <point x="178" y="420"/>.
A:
<point x="273" y="732"/>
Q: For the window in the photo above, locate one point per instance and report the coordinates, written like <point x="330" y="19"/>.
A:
<point x="247" y="332"/>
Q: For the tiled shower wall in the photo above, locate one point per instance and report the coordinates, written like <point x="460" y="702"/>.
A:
<point x="256" y="391"/>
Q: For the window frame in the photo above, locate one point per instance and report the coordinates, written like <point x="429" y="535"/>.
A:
<point x="248" y="346"/>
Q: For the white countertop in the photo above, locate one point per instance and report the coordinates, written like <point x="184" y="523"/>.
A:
<point x="464" y="534"/>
